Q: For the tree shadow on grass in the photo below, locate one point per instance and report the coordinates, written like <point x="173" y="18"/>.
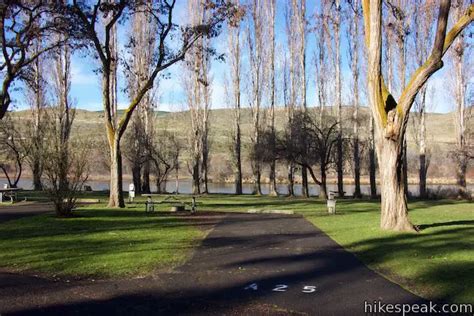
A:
<point x="438" y="261"/>
<point x="450" y="223"/>
<point x="214" y="281"/>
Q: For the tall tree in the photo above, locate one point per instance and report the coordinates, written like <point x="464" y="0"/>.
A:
<point x="198" y="90"/>
<point x="271" y="9"/>
<point x="235" y="65"/>
<point x="354" y="37"/>
<point x="139" y="67"/>
<point x="36" y="89"/>
<point x="99" y="36"/>
<point x="461" y="154"/>
<point x="256" y="52"/>
<point x="337" y="60"/>
<point x="391" y="117"/>
<point x="422" y="38"/>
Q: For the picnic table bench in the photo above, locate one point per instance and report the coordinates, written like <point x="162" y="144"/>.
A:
<point x="10" y="193"/>
<point x="177" y="204"/>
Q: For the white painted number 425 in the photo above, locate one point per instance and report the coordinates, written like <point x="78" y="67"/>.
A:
<point x="309" y="289"/>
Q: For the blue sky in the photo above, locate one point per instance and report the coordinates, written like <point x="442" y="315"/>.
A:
<point x="86" y="84"/>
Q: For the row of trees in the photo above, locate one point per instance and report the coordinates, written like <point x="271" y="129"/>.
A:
<point x="157" y="42"/>
<point x="93" y="27"/>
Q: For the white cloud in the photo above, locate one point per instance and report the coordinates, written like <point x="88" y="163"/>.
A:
<point x="81" y="76"/>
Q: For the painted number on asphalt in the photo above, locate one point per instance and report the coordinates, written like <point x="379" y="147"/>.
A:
<point x="280" y="288"/>
<point x="309" y="289"/>
<point x="252" y="286"/>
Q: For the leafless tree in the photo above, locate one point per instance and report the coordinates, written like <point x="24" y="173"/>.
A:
<point x="165" y="152"/>
<point x="270" y="15"/>
<point x="12" y="154"/>
<point x="390" y="117"/>
<point x="198" y="89"/>
<point x="463" y="112"/>
<point x="307" y="143"/>
<point x="257" y="60"/>
<point x="354" y="38"/>
<point x="424" y="13"/>
<point x="142" y="42"/>
<point x="23" y="25"/>
<point x="100" y="37"/>
<point x="66" y="160"/>
<point x="236" y="66"/>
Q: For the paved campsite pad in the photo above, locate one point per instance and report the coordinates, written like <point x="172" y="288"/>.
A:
<point x="248" y="264"/>
<point x="14" y="211"/>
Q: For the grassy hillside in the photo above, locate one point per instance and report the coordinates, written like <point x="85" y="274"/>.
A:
<point x="440" y="131"/>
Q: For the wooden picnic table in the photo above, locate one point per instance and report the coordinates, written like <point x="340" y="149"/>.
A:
<point x="171" y="199"/>
<point x="9" y="192"/>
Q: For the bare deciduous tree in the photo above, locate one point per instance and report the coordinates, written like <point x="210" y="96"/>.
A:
<point x="66" y="160"/>
<point x="354" y="38"/>
<point x="236" y="66"/>
<point x="22" y="26"/>
<point x="101" y="39"/>
<point x="391" y="117"/>
<point x="463" y="112"/>
<point x="257" y="60"/>
<point x="12" y="152"/>
<point x="307" y="143"/>
<point x="422" y="38"/>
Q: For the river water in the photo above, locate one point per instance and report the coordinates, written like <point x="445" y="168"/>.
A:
<point x="185" y="187"/>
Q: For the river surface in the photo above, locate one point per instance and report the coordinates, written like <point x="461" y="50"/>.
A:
<point x="185" y="187"/>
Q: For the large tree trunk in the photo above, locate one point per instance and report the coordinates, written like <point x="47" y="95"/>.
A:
<point x="394" y="214"/>
<point x="116" y="193"/>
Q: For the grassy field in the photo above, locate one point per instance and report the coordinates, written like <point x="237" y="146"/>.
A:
<point x="96" y="243"/>
<point x="436" y="263"/>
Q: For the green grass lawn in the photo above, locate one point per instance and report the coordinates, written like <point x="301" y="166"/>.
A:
<point x="438" y="262"/>
<point x="96" y="243"/>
